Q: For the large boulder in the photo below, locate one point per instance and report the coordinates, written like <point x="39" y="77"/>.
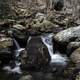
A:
<point x="42" y="27"/>
<point x="37" y="54"/>
<point x="72" y="46"/>
<point x="75" y="56"/>
<point x="68" y="35"/>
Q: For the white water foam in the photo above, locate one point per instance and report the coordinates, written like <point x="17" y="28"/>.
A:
<point x="16" y="69"/>
<point x="19" y="49"/>
<point x="56" y="58"/>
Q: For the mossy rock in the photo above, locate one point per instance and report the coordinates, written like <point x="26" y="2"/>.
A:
<point x="45" y="26"/>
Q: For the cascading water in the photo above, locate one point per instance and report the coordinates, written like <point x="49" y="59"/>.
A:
<point x="47" y="40"/>
<point x="57" y="59"/>
<point x="16" y="69"/>
<point x="19" y="49"/>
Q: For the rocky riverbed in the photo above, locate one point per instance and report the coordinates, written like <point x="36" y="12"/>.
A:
<point x="39" y="43"/>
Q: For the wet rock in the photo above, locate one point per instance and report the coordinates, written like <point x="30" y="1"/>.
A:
<point x="38" y="75"/>
<point x="37" y="54"/>
<point x="74" y="75"/>
<point x="40" y="55"/>
<point x="56" y="59"/>
<point x="19" y="33"/>
<point x="26" y="77"/>
<point x="75" y="56"/>
<point x="72" y="46"/>
<point x="5" y="48"/>
<point x="78" y="76"/>
<point x="42" y="76"/>
<point x="68" y="35"/>
<point x="48" y="76"/>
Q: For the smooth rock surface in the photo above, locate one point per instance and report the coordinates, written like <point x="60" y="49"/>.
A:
<point x="72" y="46"/>
<point x="68" y="35"/>
<point x="75" y="56"/>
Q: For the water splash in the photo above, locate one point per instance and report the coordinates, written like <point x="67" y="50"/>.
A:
<point x="56" y="58"/>
<point x="18" y="48"/>
<point x="47" y="40"/>
<point x="10" y="70"/>
<point x="16" y="69"/>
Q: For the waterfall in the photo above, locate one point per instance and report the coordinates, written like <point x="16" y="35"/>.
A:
<point x="47" y="40"/>
<point x="16" y="69"/>
<point x="19" y="49"/>
<point x="56" y="58"/>
<point x="29" y="39"/>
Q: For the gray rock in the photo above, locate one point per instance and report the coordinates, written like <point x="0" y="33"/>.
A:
<point x="75" y="56"/>
<point x="72" y="46"/>
<point x="5" y="41"/>
<point x="68" y="35"/>
<point x="38" y="75"/>
<point x="5" y="49"/>
<point x="37" y="54"/>
<point x="26" y="77"/>
<point x="42" y="27"/>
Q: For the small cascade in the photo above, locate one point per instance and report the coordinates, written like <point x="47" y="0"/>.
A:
<point x="18" y="48"/>
<point x="47" y="40"/>
<point x="56" y="58"/>
<point x="29" y="39"/>
<point x="16" y="69"/>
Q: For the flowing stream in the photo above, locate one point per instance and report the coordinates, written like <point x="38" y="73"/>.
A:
<point x="56" y="58"/>
<point x="16" y="69"/>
